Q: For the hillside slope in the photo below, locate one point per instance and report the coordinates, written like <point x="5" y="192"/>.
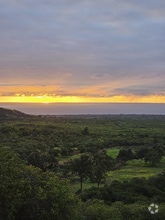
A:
<point x="12" y="114"/>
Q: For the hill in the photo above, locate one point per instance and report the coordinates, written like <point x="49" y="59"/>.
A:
<point x="12" y="114"/>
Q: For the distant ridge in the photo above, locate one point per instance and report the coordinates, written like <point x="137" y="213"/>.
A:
<point x="12" y="114"/>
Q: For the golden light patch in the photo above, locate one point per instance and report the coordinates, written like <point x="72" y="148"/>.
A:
<point x="39" y="99"/>
<point x="81" y="99"/>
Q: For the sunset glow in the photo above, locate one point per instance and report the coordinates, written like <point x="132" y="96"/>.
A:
<point x="76" y="99"/>
<point x="82" y="52"/>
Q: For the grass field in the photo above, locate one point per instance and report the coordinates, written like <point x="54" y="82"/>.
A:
<point x="113" y="152"/>
<point x="133" y="169"/>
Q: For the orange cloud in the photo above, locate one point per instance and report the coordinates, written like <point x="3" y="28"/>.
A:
<point x="63" y="94"/>
<point x="82" y="99"/>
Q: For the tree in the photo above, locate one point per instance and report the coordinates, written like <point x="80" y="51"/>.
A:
<point x="125" y="154"/>
<point x="81" y="166"/>
<point x="28" y="193"/>
<point x="43" y="160"/>
<point x="10" y="183"/>
<point x="101" y="163"/>
<point x="140" y="154"/>
<point x="85" y="131"/>
<point x="48" y="198"/>
<point x="152" y="154"/>
<point x="97" y="210"/>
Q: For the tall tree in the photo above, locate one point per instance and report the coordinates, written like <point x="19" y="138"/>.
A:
<point x="82" y="166"/>
<point x="101" y="163"/>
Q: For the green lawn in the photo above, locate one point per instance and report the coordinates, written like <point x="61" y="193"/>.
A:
<point x="135" y="168"/>
<point x="113" y="152"/>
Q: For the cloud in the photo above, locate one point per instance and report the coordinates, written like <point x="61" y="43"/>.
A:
<point x="76" y="44"/>
<point x="139" y="91"/>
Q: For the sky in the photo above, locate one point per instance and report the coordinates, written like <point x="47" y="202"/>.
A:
<point x="82" y="51"/>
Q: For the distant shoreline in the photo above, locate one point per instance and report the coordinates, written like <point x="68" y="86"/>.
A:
<point x="87" y="108"/>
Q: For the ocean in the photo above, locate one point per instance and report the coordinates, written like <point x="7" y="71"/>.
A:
<point x="76" y="109"/>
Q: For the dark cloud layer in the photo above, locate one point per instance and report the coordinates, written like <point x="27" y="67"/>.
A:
<point x="84" y="42"/>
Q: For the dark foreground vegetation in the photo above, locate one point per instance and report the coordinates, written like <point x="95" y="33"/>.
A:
<point x="61" y="167"/>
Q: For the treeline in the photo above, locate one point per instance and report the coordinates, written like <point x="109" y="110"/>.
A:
<point x="136" y="190"/>
<point x="64" y="135"/>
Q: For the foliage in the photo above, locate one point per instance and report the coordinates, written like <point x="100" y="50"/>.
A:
<point x="85" y="131"/>
<point x="97" y="210"/>
<point x="125" y="154"/>
<point x="28" y="134"/>
<point x="41" y="151"/>
<point x="81" y="166"/>
<point x="101" y="163"/>
<point x="42" y="160"/>
<point x="137" y="190"/>
<point x="28" y="193"/>
<point x="153" y="154"/>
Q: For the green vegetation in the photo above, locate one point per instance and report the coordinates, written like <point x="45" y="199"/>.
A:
<point x="135" y="168"/>
<point x="81" y="167"/>
<point x="113" y="152"/>
<point x="28" y="193"/>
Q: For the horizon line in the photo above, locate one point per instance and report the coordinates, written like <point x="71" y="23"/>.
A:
<point x="47" y="103"/>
